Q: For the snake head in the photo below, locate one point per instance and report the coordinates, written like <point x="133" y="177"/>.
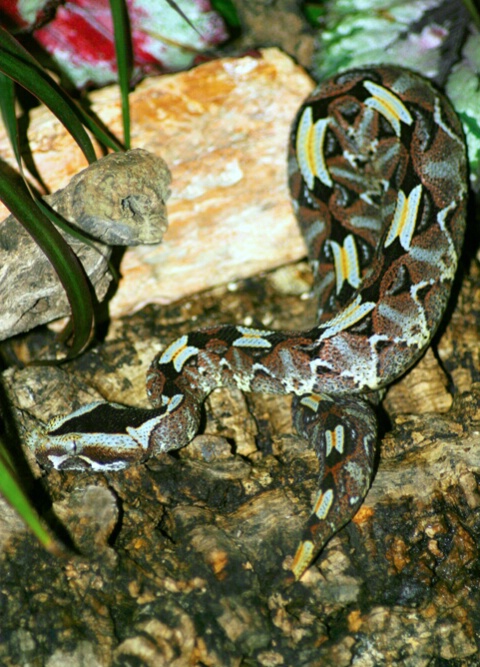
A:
<point x="99" y="436"/>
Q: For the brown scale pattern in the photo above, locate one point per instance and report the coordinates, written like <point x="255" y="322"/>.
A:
<point x="377" y="161"/>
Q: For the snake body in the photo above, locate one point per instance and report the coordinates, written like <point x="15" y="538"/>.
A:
<point x="377" y="173"/>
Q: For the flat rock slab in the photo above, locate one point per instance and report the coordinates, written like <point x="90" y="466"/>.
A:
<point x="223" y="130"/>
<point x="117" y="200"/>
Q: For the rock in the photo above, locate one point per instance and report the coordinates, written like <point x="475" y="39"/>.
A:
<point x="202" y="535"/>
<point x="223" y="130"/>
<point x="119" y="200"/>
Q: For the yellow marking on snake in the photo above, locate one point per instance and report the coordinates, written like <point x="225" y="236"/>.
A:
<point x="252" y="338"/>
<point x="178" y="353"/>
<point x="335" y="440"/>
<point x="352" y="314"/>
<point x="312" y="401"/>
<point x="323" y="503"/>
<point x="309" y="149"/>
<point x="302" y="558"/>
<point x="345" y="259"/>
<point x="405" y="218"/>
<point x="388" y="104"/>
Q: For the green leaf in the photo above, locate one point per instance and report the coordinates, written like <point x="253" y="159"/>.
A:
<point x="314" y="12"/>
<point x="226" y="8"/>
<point x="7" y="108"/>
<point x="12" y="491"/>
<point x="469" y="4"/>
<point x="123" y="49"/>
<point x="69" y="270"/>
<point x="18" y="64"/>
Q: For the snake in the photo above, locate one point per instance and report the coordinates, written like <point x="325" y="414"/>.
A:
<point x="377" y="171"/>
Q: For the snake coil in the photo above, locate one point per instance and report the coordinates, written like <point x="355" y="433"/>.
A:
<point x="377" y="173"/>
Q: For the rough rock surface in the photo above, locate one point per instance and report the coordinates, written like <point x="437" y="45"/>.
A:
<point x="118" y="200"/>
<point x="223" y="131"/>
<point x="176" y="562"/>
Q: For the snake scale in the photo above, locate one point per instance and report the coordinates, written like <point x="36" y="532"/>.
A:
<point x="377" y="173"/>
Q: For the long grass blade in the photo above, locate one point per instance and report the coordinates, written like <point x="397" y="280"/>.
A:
<point x="14" y="494"/>
<point x="181" y="13"/>
<point x="65" y="262"/>
<point x="18" y="64"/>
<point x="123" y="49"/>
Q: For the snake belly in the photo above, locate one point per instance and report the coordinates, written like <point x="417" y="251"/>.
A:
<point x="377" y="173"/>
